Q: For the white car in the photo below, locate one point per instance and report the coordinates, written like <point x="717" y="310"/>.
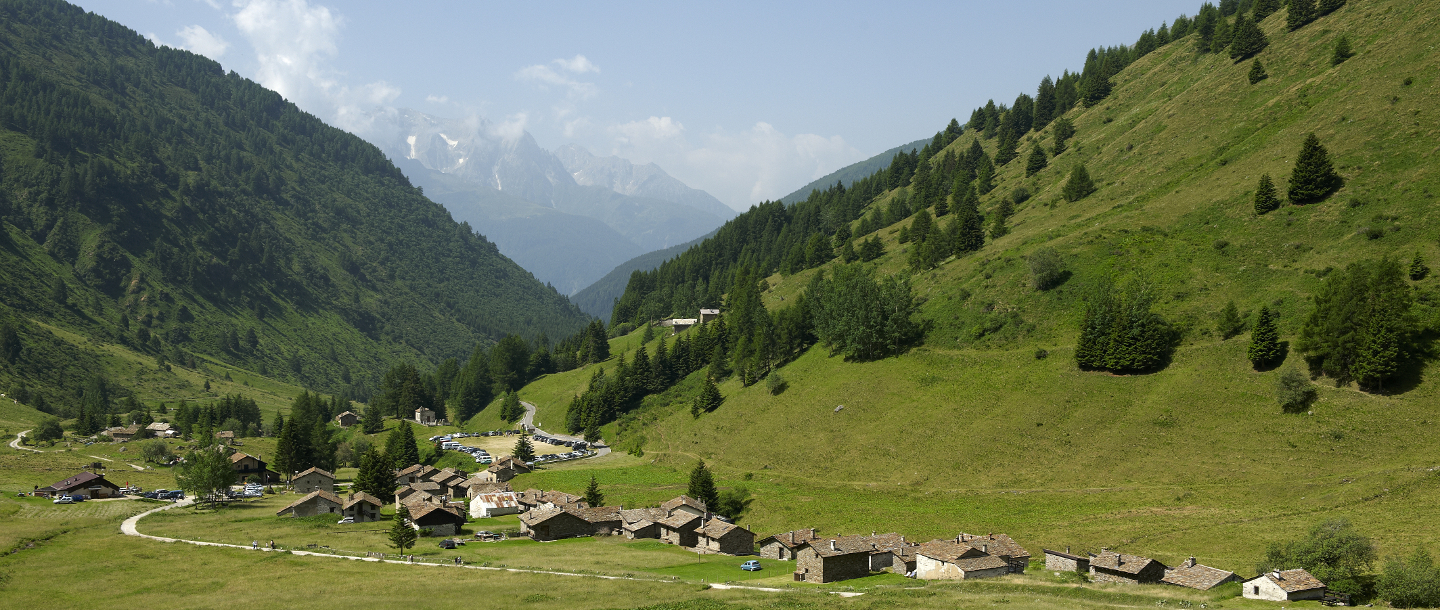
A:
<point x="345" y="521"/>
<point x="62" y="500"/>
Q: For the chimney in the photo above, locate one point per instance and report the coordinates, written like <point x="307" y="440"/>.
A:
<point x="1067" y="549"/>
<point x="984" y="548"/>
<point x="1190" y="563"/>
<point x="1276" y="574"/>
<point x="832" y="547"/>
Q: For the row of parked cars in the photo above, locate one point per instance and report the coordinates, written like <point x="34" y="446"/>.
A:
<point x="449" y="443"/>
<point x="561" y="442"/>
<point x="561" y="457"/>
<point x="250" y="490"/>
<point x="164" y="494"/>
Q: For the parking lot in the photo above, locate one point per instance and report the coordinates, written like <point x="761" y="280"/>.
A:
<point x="501" y="446"/>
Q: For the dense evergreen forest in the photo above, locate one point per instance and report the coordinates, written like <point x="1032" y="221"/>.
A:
<point x="152" y="200"/>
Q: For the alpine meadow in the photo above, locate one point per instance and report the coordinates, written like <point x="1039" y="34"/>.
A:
<point x="1159" y="331"/>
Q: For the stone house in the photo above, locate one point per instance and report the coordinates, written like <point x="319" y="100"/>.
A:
<point x="1001" y="546"/>
<point x="225" y="436"/>
<point x="685" y="504"/>
<point x="640" y="523"/>
<point x="313" y="479"/>
<point x="1196" y="576"/>
<point x="452" y="485"/>
<point x="314" y="503"/>
<point x="825" y="560"/>
<point x="251" y="468"/>
<point x="1110" y="566"/>
<point x="678" y="325"/>
<point x="87" y="484"/>
<point x="605" y="519"/>
<point x="529" y="498"/>
<point x="473" y="486"/>
<point x="494" y="504"/>
<point x="679" y="528"/>
<point x="503" y="470"/>
<point x="553" y="523"/>
<point x="347" y="419"/>
<point x="362" y="507"/>
<point x="425" y="417"/>
<point x="725" y="538"/>
<point x="904" y="560"/>
<point x="1286" y="586"/>
<point x="415" y="474"/>
<point x="952" y="560"/>
<point x="562" y="499"/>
<point x="707" y="315"/>
<point x="883" y="547"/>
<point x="1055" y="561"/>
<point x="784" y="545"/>
<point x="123" y="433"/>
<point x="440" y="520"/>
<point x="162" y="430"/>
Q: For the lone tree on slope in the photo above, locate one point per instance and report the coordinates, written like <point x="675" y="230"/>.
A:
<point x="1314" y="177"/>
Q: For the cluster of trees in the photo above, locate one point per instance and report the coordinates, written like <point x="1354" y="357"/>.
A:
<point x="1343" y="558"/>
<point x="305" y="438"/>
<point x="232" y="412"/>
<point x="1119" y="333"/>
<point x="1362" y="328"/>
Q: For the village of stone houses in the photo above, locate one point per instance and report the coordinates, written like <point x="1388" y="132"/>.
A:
<point x="479" y="520"/>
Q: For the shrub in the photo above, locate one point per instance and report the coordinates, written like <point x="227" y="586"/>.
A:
<point x="1412" y="582"/>
<point x="1046" y="268"/>
<point x="1294" y="391"/>
<point x="775" y="383"/>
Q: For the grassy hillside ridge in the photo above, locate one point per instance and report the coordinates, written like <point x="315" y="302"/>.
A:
<point x="850" y="173"/>
<point x="191" y="216"/>
<point x="973" y="431"/>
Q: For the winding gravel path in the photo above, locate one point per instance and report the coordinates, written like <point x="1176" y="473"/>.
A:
<point x="528" y="423"/>
<point x="15" y="444"/>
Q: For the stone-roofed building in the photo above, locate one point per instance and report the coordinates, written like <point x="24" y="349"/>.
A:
<point x="494" y="504"/>
<point x="473" y="486"/>
<point x="1286" y="586"/>
<point x="725" y="538"/>
<point x="1001" y="546"/>
<point x="1056" y="561"/>
<point x="225" y="436"/>
<point x="783" y="546"/>
<point x="553" y="523"/>
<point x="425" y="417"/>
<point x="562" y="499"/>
<point x="347" y="419"/>
<point x="1197" y="576"/>
<point x="1110" y="566"/>
<point x="313" y="479"/>
<point x="679" y="528"/>
<point x="885" y="545"/>
<point x="825" y="560"/>
<point x="362" y="507"/>
<point x="686" y="504"/>
<point x="415" y="474"/>
<point x="707" y="315"/>
<point x="529" y="498"/>
<point x="440" y="520"/>
<point x="162" y="429"/>
<point x="605" y="519"/>
<point x="503" y="470"/>
<point x="314" y="503"/>
<point x="953" y="560"/>
<point x="123" y="433"/>
<point x="640" y="523"/>
<point x="904" y="559"/>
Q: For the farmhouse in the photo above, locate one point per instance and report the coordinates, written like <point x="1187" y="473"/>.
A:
<point x="122" y="433"/>
<point x="783" y="546"/>
<point x="529" y="498"/>
<point x="347" y="419"/>
<point x="562" y="499"/>
<point x="1196" y="576"/>
<point x="251" y="468"/>
<point x="641" y="522"/>
<point x="1055" y="561"/>
<point x="362" y="507"/>
<point x="314" y="503"/>
<point x="225" y="436"/>
<point x="605" y="519"/>
<point x="553" y="523"/>
<point x="87" y="484"/>
<point x="313" y="479"/>
<point x="451" y="484"/>
<point x="440" y="520"/>
<point x="685" y="504"/>
<point x="1286" y="586"/>
<point x="830" y="559"/>
<point x="680" y="528"/>
<point x="679" y="325"/>
<point x="707" y="315"/>
<point x="494" y="504"/>
<point x="718" y="536"/>
<point x="415" y="474"/>
<point x="885" y="545"/>
<point x="425" y="417"/>
<point x="162" y="429"/>
<point x="1110" y="566"/>
<point x="474" y="487"/>
<point x="903" y="560"/>
<point x="503" y="470"/>
<point x="1001" y="546"/>
<point x="951" y="560"/>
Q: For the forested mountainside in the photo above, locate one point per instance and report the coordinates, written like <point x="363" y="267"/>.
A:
<point x="850" y="173"/>
<point x="152" y="202"/>
<point x="598" y="299"/>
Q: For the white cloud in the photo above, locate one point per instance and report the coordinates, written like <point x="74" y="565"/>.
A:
<point x="511" y="128"/>
<point x="578" y="64"/>
<point x="199" y="40"/>
<point x="437" y="99"/>
<point x="739" y="168"/>
<point x="294" y="42"/>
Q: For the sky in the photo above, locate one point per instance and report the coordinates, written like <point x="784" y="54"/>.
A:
<point x="746" y="100"/>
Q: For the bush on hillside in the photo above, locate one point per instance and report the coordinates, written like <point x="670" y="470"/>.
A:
<point x="1342" y="51"/>
<point x="1229" y="323"/>
<point x="1294" y="391"/>
<point x="1418" y="269"/>
<point x="775" y="383"/>
<point x="1410" y="582"/>
<point x="1046" y="268"/>
<point x="49" y="430"/>
<point x="1361" y="328"/>
<point x="1331" y="551"/>
<point x="856" y="315"/>
<point x="1257" y="72"/>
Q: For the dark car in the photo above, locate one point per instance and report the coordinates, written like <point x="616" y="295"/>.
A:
<point x="447" y="544"/>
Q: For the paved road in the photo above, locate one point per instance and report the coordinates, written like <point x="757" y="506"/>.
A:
<point x="129" y="528"/>
<point x="528" y="423"/>
<point x="15" y="444"/>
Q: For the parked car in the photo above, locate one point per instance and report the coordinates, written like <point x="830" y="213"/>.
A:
<point x="447" y="544"/>
<point x="345" y="521"/>
<point x="62" y="500"/>
<point x="78" y="498"/>
<point x="750" y="566"/>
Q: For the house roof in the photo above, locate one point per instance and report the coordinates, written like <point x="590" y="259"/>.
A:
<point x="485" y="487"/>
<point x="448" y="480"/>
<point x="350" y="413"/>
<point x="360" y="497"/>
<point x="792" y="539"/>
<point x="716" y="529"/>
<point x="499" y="499"/>
<point x="1119" y="562"/>
<point x="407" y="491"/>
<point x="887" y="542"/>
<point x="316" y="471"/>
<point x="434" y="512"/>
<point x="560" y="498"/>
<point x="679" y="501"/>
<point x="225" y="434"/>
<point x="598" y="514"/>
<point x="418" y="470"/>
<point x="833" y="547"/>
<point x="997" y="544"/>
<point x="949" y="550"/>
<point x="680" y="520"/>
<point x="158" y="426"/>
<point x="636" y="515"/>
<point x="708" y="311"/>
<point x="1065" y="555"/>
<point x="1292" y="581"/>
<point x="237" y="456"/>
<point x="83" y="479"/>
<point x="542" y="514"/>
<point x="429" y="487"/>
<point x="131" y="429"/>
<point x="1197" y="576"/>
<point x="508" y="462"/>
<point x="530" y="496"/>
<point x="319" y="493"/>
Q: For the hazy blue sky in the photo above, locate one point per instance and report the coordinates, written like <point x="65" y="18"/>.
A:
<point x="745" y="100"/>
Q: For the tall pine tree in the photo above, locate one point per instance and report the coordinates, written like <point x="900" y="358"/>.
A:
<point x="1036" y="162"/>
<point x="1257" y="72"/>
<point x="1265" y="199"/>
<point x="593" y="497"/>
<point x="970" y="225"/>
<point x="1079" y="186"/>
<point x="1299" y="13"/>
<point x="702" y="485"/>
<point x="1265" y="8"/>
<point x="1247" y="40"/>
<point x="1264" y="349"/>
<point x="1314" y="177"/>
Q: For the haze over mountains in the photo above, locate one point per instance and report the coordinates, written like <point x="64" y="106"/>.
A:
<point x="567" y="217"/>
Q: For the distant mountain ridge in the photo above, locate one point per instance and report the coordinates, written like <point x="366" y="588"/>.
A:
<point x="598" y="299"/>
<point x="626" y="178"/>
<point x="850" y="173"/>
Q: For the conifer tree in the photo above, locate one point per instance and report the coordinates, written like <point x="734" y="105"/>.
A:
<point x="1329" y="6"/>
<point x="1044" y="103"/>
<point x="1299" y="13"/>
<point x="1257" y="72"/>
<point x="371" y="421"/>
<point x="1248" y="39"/>
<point x="871" y="249"/>
<point x="709" y="398"/>
<point x="1224" y="35"/>
<point x="849" y="255"/>
<point x="402" y="450"/>
<point x="593" y="497"/>
<point x="1064" y="130"/>
<point x="402" y="536"/>
<point x="1314" y="177"/>
<point x="376" y="476"/>
<point x="1361" y="323"/>
<point x="942" y="207"/>
<point x="1079" y="186"/>
<point x="702" y="485"/>
<point x="1265" y="8"/>
<point x="1005" y="152"/>
<point x="1229" y="324"/>
<point x="524" y="450"/>
<point x="1342" y="51"/>
<point x="1265" y="198"/>
<point x="1418" y="270"/>
<point x="970" y="225"/>
<point x="985" y="176"/>
<point x="1036" y="162"/>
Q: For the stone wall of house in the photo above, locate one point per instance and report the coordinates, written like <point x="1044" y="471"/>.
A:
<point x="316" y="506"/>
<point x="684" y="536"/>
<point x="559" y="527"/>
<point x="1150" y="575"/>
<point x="880" y="560"/>
<point x="737" y="543"/>
<point x="363" y="512"/>
<point x="774" y="550"/>
<point x="1057" y="563"/>
<point x="313" y="482"/>
<point x="815" y="569"/>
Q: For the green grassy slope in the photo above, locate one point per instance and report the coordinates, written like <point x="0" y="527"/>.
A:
<point x="183" y="209"/>
<point x="972" y="432"/>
